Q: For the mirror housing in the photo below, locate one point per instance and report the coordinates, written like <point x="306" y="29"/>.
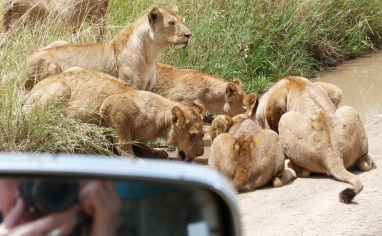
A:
<point x="214" y="207"/>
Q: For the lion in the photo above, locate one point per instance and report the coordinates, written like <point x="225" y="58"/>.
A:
<point x="136" y="116"/>
<point x="223" y="123"/>
<point x="250" y="159"/>
<point x="247" y="154"/>
<point x="219" y="96"/>
<point x="69" y="13"/>
<point x="315" y="135"/>
<point x="130" y="56"/>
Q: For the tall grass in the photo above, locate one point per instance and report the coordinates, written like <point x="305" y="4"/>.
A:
<point x="257" y="41"/>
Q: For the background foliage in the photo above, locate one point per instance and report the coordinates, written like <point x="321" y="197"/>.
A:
<point x="257" y="41"/>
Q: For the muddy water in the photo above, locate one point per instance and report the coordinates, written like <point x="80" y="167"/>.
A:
<point x="361" y="83"/>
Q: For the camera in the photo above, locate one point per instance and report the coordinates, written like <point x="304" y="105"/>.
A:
<point x="43" y="196"/>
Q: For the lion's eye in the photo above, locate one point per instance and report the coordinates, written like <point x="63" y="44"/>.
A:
<point x="173" y="23"/>
<point x="193" y="137"/>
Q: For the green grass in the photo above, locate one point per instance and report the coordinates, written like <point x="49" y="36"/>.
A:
<point x="256" y="41"/>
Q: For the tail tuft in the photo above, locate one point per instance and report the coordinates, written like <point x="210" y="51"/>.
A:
<point x="347" y="195"/>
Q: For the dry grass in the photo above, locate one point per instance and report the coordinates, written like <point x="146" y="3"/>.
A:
<point x="256" y="41"/>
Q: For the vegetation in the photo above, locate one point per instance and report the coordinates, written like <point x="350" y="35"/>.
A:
<point x="257" y="41"/>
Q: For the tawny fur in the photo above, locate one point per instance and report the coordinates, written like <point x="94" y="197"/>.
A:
<point x="315" y="135"/>
<point x="250" y="103"/>
<point x="250" y="156"/>
<point x="223" y="123"/>
<point x="334" y="92"/>
<point x="68" y="13"/>
<point x="130" y="56"/>
<point x="185" y="85"/>
<point x="136" y="116"/>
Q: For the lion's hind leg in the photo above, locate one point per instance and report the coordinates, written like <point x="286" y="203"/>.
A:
<point x="114" y="116"/>
<point x="55" y="92"/>
<point x="299" y="171"/>
<point x="365" y="163"/>
<point x="223" y="156"/>
<point x="287" y="175"/>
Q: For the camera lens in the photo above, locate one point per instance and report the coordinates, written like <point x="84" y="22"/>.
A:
<point x="45" y="196"/>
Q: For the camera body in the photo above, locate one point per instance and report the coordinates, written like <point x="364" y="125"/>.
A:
<point x="42" y="196"/>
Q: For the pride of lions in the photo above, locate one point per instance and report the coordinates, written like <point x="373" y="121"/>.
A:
<point x="294" y="129"/>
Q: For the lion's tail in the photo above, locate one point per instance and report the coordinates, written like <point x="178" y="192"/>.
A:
<point x="340" y="173"/>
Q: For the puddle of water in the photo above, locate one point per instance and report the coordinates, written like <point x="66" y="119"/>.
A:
<point x="361" y="83"/>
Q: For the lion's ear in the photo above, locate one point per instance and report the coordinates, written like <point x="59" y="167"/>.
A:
<point x="178" y="118"/>
<point x="175" y="9"/>
<point x="250" y="103"/>
<point x="231" y="90"/>
<point x="237" y="81"/>
<point x="154" y="15"/>
<point x="199" y="106"/>
<point x="276" y="107"/>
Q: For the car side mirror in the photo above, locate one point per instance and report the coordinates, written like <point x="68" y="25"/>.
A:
<point x="157" y="197"/>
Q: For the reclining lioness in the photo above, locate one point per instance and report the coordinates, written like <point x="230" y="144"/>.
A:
<point x="136" y="116"/>
<point x="71" y="14"/>
<point x="184" y="85"/>
<point x="316" y="137"/>
<point x="130" y="56"/>
<point x="248" y="155"/>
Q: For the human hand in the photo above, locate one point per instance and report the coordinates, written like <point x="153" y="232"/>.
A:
<point x="99" y="200"/>
<point x="13" y="224"/>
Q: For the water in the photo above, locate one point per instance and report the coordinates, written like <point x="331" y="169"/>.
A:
<point x="361" y="83"/>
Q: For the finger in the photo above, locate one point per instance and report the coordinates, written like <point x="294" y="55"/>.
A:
<point x="14" y="215"/>
<point x="100" y="196"/>
<point x="48" y="223"/>
<point x="65" y="229"/>
<point x="100" y="201"/>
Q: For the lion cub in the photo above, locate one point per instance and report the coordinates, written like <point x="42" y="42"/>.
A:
<point x="130" y="56"/>
<point x="220" y="96"/>
<point x="315" y="135"/>
<point x="136" y="116"/>
<point x="248" y="155"/>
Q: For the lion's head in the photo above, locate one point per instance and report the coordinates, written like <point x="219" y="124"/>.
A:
<point x="187" y="131"/>
<point x="234" y="98"/>
<point x="168" y="27"/>
<point x="221" y="124"/>
<point x="250" y="103"/>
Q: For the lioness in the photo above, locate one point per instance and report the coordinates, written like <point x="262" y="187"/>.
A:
<point x="130" y="56"/>
<point x="70" y="13"/>
<point x="316" y="137"/>
<point x="136" y="116"/>
<point x="250" y="156"/>
<point x="184" y="85"/>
